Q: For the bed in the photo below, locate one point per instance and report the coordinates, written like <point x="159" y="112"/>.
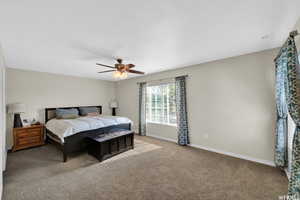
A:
<point x="70" y="135"/>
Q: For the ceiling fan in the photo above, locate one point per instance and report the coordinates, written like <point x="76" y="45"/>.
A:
<point x="120" y="70"/>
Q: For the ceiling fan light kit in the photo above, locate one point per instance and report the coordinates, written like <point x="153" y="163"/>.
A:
<point x="118" y="74"/>
<point x="120" y="70"/>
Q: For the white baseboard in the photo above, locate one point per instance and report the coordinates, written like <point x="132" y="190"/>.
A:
<point x="162" y="138"/>
<point x="265" y="162"/>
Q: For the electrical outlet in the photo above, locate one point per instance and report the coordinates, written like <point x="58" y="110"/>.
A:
<point x="205" y="135"/>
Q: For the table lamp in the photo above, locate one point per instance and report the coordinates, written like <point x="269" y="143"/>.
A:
<point x="113" y="105"/>
<point x="16" y="109"/>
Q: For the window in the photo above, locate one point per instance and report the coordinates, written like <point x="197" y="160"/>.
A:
<point x="160" y="104"/>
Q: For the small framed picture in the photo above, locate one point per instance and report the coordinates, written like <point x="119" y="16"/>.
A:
<point x="26" y="122"/>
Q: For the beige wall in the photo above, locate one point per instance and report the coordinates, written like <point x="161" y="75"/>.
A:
<point x="231" y="106"/>
<point x="40" y="90"/>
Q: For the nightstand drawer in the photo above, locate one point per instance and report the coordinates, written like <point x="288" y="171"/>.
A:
<point x="21" y="131"/>
<point x="29" y="140"/>
<point x="34" y="130"/>
<point x="28" y="133"/>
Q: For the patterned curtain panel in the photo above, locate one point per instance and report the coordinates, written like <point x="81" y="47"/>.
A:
<point x="281" y="136"/>
<point x="293" y="100"/>
<point x="142" y="108"/>
<point x="181" y="110"/>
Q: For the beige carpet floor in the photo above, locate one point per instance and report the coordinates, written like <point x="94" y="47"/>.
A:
<point x="154" y="170"/>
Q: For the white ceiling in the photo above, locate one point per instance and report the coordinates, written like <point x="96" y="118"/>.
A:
<point x="69" y="37"/>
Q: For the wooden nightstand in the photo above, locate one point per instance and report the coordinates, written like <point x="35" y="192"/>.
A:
<point x="30" y="136"/>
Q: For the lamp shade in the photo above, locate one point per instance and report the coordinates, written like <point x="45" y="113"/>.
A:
<point x="16" y="108"/>
<point x="113" y="104"/>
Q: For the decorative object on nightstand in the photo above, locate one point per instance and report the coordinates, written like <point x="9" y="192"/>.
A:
<point x="26" y="123"/>
<point x="34" y="122"/>
<point x="114" y="105"/>
<point x="26" y="137"/>
<point x="17" y="109"/>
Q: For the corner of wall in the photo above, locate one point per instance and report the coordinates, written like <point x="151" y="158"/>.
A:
<point x="3" y="120"/>
<point x="297" y="27"/>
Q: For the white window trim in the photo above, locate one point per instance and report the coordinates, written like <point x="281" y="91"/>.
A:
<point x="161" y="82"/>
<point x="164" y="124"/>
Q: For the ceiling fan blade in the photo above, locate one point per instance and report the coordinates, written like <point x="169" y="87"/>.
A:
<point x="130" y="65"/>
<point x="107" y="71"/>
<point x="135" y="71"/>
<point x="105" y="65"/>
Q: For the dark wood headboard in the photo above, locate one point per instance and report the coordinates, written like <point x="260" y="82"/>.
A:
<point x="50" y="112"/>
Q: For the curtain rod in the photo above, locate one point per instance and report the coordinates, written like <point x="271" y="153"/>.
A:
<point x="161" y="79"/>
<point x="293" y="33"/>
